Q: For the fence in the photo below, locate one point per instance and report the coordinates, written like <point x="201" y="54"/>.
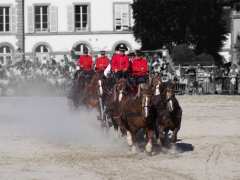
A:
<point x="224" y="85"/>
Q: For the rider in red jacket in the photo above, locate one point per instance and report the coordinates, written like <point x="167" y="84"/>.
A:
<point x="139" y="70"/>
<point x="85" y="62"/>
<point x="101" y="62"/>
<point x="120" y="63"/>
<point x="139" y="67"/>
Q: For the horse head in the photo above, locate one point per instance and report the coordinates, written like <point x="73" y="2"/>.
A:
<point x="146" y="101"/>
<point x="120" y="89"/>
<point x="156" y="85"/>
<point x="170" y="93"/>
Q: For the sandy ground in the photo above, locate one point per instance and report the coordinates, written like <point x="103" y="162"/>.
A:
<point x="41" y="139"/>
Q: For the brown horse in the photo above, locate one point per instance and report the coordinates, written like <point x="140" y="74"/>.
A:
<point x="112" y="104"/>
<point x="95" y="94"/>
<point x="135" y="114"/>
<point x="91" y="91"/>
<point x="75" y="95"/>
<point x="168" y="112"/>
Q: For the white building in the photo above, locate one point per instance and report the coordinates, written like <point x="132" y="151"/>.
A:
<point x="55" y="27"/>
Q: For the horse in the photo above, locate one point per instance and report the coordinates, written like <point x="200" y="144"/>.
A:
<point x="99" y="95"/>
<point x="135" y="114"/>
<point x="112" y="104"/>
<point x="78" y="90"/>
<point x="91" y="91"/>
<point x="168" y="113"/>
<point x="74" y="95"/>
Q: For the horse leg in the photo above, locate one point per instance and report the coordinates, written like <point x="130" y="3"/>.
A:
<point x="161" y="136"/>
<point x="156" y="130"/>
<point x="166" y="138"/>
<point x="178" y="126"/>
<point x="134" y="141"/>
<point x="174" y="135"/>
<point x="129" y="138"/>
<point x="148" y="147"/>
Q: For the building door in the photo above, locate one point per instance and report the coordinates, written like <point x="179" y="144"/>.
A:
<point x="80" y="48"/>
<point x="42" y="53"/>
<point x="5" y="55"/>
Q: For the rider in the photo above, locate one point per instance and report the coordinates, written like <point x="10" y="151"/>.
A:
<point x="85" y="63"/>
<point x="101" y="62"/>
<point x="156" y="64"/>
<point x="120" y="63"/>
<point x="139" y="70"/>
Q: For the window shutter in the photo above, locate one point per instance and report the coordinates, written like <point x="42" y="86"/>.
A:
<point x="117" y="16"/>
<point x="30" y="20"/>
<point x="132" y="20"/>
<point x="70" y="16"/>
<point x="53" y="19"/>
<point x="125" y="17"/>
<point x="13" y="21"/>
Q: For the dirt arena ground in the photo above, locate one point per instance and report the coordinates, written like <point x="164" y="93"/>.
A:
<point x="41" y="139"/>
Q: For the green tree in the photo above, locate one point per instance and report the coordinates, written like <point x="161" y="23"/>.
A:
<point x="199" y="23"/>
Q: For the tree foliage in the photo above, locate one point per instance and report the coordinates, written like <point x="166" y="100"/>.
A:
<point x="200" y="23"/>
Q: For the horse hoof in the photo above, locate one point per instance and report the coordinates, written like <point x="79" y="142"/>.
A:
<point x="159" y="142"/>
<point x="149" y="153"/>
<point x="116" y="134"/>
<point x="148" y="148"/>
<point x="173" y="140"/>
<point x="134" y="149"/>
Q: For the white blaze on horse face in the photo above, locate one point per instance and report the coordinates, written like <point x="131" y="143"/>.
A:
<point x="170" y="105"/>
<point x="146" y="107"/>
<point x="120" y="96"/>
<point x="157" y="91"/>
<point x="100" y="87"/>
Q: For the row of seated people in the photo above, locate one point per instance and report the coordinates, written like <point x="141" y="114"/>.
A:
<point x="120" y="65"/>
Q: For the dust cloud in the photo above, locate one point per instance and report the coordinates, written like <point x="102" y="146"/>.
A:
<point x="52" y="120"/>
<point x="38" y="88"/>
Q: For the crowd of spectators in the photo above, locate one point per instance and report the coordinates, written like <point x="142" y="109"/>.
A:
<point x="34" y="75"/>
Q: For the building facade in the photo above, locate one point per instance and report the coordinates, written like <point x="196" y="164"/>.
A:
<point x="235" y="34"/>
<point x="45" y="28"/>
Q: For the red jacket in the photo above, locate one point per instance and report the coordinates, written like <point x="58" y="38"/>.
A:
<point x="139" y="67"/>
<point x="101" y="63"/>
<point x="119" y="63"/>
<point x="85" y="62"/>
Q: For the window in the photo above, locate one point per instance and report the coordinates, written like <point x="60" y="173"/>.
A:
<point x="80" y="48"/>
<point x="42" y="49"/>
<point x="123" y="46"/>
<point x="42" y="53"/>
<point x="5" y="55"/>
<point x="41" y="18"/>
<point x="122" y="17"/>
<point x="81" y="18"/>
<point x="237" y="7"/>
<point x="4" y="19"/>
